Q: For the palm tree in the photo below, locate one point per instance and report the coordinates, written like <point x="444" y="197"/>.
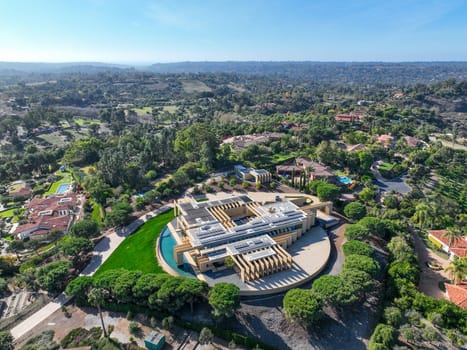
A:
<point x="96" y="298"/>
<point x="423" y="215"/>
<point x="458" y="269"/>
<point x="453" y="234"/>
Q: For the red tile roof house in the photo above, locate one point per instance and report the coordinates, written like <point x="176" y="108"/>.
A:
<point x="350" y="117"/>
<point x="458" y="247"/>
<point x="457" y="293"/>
<point x="385" y="140"/>
<point x="318" y="171"/>
<point x="411" y="141"/>
<point x="48" y="214"/>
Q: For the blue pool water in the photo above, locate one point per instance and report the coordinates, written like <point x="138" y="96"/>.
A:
<point x="344" y="179"/>
<point x="167" y="243"/>
<point x="62" y="188"/>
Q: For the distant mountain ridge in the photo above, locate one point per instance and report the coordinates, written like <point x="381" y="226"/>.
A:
<point x="332" y="72"/>
<point x="322" y="72"/>
<point x="44" y="67"/>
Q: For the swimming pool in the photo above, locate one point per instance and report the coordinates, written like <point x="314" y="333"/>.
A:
<point x="166" y="245"/>
<point x="62" y="188"/>
<point x="344" y="179"/>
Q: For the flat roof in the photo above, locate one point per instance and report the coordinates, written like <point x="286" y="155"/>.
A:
<point x="260" y="254"/>
<point x="208" y="232"/>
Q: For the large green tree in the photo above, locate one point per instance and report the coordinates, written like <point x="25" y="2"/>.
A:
<point x="302" y="306"/>
<point x="52" y="277"/>
<point x="355" y="210"/>
<point x="79" y="289"/>
<point x="362" y="263"/>
<point x="85" y="228"/>
<point x="6" y="341"/>
<point x="332" y="290"/>
<point x="224" y="298"/>
<point x="328" y="192"/>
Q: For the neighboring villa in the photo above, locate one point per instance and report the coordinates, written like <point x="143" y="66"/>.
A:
<point x="252" y="236"/>
<point x="351" y="117"/>
<point x="458" y="247"/>
<point x="19" y="189"/>
<point x="351" y="148"/>
<point x="252" y="175"/>
<point x="411" y="141"/>
<point x="457" y="293"/>
<point x="45" y="215"/>
<point x="314" y="169"/>
<point x="240" y="142"/>
<point x="385" y="140"/>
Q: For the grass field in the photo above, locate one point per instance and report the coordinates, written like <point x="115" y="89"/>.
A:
<point x="148" y="110"/>
<point x="83" y="122"/>
<point x="53" y="138"/>
<point x="386" y="166"/>
<point x="191" y="86"/>
<point x="137" y="252"/>
<point x="143" y="110"/>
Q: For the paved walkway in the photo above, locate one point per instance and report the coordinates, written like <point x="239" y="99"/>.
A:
<point x="101" y="253"/>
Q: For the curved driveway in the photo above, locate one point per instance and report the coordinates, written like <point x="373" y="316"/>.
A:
<point x="397" y="184"/>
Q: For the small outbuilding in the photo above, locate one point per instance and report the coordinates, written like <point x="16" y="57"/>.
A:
<point x="154" y="341"/>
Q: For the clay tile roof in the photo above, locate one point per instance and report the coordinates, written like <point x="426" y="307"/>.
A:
<point x="457" y="293"/>
<point x="458" y="247"/>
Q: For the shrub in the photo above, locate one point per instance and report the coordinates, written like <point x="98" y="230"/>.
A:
<point x="393" y="316"/>
<point x="43" y="341"/>
<point x="357" y="247"/>
<point x="383" y="337"/>
<point x="133" y="327"/>
<point x="81" y="337"/>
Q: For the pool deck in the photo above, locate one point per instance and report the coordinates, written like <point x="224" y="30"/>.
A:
<point x="310" y="255"/>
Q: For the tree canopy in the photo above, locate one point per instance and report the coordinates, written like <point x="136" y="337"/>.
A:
<point x="224" y="298"/>
<point x="302" y="306"/>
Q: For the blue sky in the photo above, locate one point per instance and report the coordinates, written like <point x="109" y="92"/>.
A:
<point x="143" y="31"/>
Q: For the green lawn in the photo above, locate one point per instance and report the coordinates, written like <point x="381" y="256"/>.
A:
<point x="279" y="158"/>
<point x="10" y="213"/>
<point x="66" y="178"/>
<point x="7" y="213"/>
<point x="137" y="252"/>
<point x="386" y="166"/>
